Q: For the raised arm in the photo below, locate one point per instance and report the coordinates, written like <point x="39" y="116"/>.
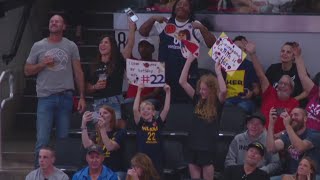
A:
<point x="136" y="104"/>
<point x="166" y="106"/>
<point x="272" y="144"/>
<point x="306" y="82"/>
<point x="208" y="37"/>
<point x="146" y="27"/>
<point x="127" y="51"/>
<point x="183" y="81"/>
<point x="86" y="141"/>
<point x="222" y="93"/>
<point x="251" y="50"/>
<point x="79" y="77"/>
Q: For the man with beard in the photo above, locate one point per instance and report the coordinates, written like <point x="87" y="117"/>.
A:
<point x="278" y="98"/>
<point x="249" y="170"/>
<point x="297" y="141"/>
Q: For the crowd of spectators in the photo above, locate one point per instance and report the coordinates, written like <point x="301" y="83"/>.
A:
<point x="279" y="140"/>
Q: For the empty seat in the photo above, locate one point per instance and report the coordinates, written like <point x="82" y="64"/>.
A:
<point x="179" y="118"/>
<point x="232" y="120"/>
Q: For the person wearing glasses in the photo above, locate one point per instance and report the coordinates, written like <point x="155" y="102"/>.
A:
<point x="249" y="170"/>
<point x="278" y="98"/>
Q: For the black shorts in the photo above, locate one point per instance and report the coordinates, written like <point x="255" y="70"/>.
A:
<point x="200" y="158"/>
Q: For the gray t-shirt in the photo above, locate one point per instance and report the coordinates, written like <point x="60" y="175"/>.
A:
<point x="56" y="175"/>
<point x="58" y="77"/>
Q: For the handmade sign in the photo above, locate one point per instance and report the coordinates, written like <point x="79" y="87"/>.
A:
<point x="227" y="53"/>
<point x="148" y="73"/>
<point x="183" y="38"/>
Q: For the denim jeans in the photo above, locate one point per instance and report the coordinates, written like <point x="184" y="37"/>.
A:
<point x="56" y="108"/>
<point x="113" y="101"/>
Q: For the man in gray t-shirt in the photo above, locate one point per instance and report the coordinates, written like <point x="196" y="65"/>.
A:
<point x="56" y="62"/>
<point x="47" y="169"/>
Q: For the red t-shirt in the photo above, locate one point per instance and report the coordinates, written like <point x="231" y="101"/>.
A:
<point x="269" y="100"/>
<point x="313" y="109"/>
<point x="132" y="91"/>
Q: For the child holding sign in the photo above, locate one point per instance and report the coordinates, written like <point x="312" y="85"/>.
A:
<point x="149" y="126"/>
<point x="207" y="99"/>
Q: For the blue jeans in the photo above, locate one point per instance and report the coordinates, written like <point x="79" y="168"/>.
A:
<point x="246" y="104"/>
<point x="114" y="102"/>
<point x="55" y="108"/>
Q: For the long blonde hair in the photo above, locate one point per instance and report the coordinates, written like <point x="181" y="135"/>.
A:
<point x="207" y="108"/>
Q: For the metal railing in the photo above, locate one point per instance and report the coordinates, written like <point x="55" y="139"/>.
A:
<point x="3" y="76"/>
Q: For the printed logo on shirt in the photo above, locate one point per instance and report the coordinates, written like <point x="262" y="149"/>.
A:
<point x="151" y="133"/>
<point x="60" y="58"/>
<point x="314" y="111"/>
<point x="235" y="83"/>
<point x="294" y="154"/>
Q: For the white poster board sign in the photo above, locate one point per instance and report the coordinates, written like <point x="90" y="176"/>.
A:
<point x="227" y="53"/>
<point x="148" y="73"/>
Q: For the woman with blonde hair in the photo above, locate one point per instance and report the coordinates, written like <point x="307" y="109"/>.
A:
<point x="306" y="170"/>
<point x="142" y="168"/>
<point x="107" y="136"/>
<point x="207" y="99"/>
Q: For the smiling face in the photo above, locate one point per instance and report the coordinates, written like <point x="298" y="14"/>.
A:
<point x="253" y="156"/>
<point x="204" y="90"/>
<point x="182" y="10"/>
<point x="255" y="127"/>
<point x="147" y="110"/>
<point x="298" y="119"/>
<point x="56" y="24"/>
<point x="284" y="88"/>
<point x="286" y="54"/>
<point x="105" y="46"/>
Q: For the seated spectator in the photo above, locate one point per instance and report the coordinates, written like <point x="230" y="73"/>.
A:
<point x="95" y="168"/>
<point x="287" y="67"/>
<point x="249" y="170"/>
<point x="297" y="141"/>
<point x="306" y="170"/>
<point x="312" y="90"/>
<point x="273" y="97"/>
<point x="255" y="133"/>
<point x="107" y="136"/>
<point x="150" y="126"/>
<point x="142" y="168"/>
<point x="242" y="86"/>
<point x="46" y="169"/>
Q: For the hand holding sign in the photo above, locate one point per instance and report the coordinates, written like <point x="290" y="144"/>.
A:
<point x="149" y="74"/>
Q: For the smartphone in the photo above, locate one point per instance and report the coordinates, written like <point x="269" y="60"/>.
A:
<point x="279" y="111"/>
<point x="95" y="117"/>
<point x="131" y="15"/>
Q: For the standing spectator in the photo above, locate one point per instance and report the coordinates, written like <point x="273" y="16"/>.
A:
<point x="273" y="97"/>
<point x="47" y="169"/>
<point x="313" y="91"/>
<point x="255" y="133"/>
<point x="297" y="141"/>
<point x="150" y="126"/>
<point x="243" y="85"/>
<point x="105" y="80"/>
<point x="110" y="138"/>
<point x="95" y="168"/>
<point x="56" y="61"/>
<point x="170" y="47"/>
<point x="249" y="170"/>
<point x="142" y="168"/>
<point x="203" y="135"/>
<point x="306" y="170"/>
<point x="287" y="67"/>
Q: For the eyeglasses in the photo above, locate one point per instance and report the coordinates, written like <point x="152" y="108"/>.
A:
<point x="283" y="83"/>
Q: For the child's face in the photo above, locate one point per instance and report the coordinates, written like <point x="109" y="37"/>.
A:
<point x="182" y="36"/>
<point x="204" y="90"/>
<point x="147" y="111"/>
<point x="105" y="114"/>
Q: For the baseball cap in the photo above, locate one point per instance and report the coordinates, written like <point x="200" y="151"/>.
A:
<point x="95" y="148"/>
<point x="149" y="40"/>
<point x="258" y="146"/>
<point x="257" y="115"/>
